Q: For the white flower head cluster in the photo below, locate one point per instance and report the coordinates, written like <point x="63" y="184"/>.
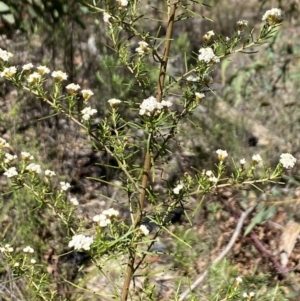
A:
<point x="144" y="230"/>
<point x="222" y="154"/>
<point x="122" y="4"/>
<point x="243" y="161"/>
<point x="49" y="174"/>
<point x="25" y="156"/>
<point x="27" y="67"/>
<point x="9" y="158"/>
<point x="42" y="70"/>
<point x="208" y="56"/>
<point x="240" y="25"/>
<point x="211" y="176"/>
<point x="86" y="94"/>
<point x="208" y="35"/>
<point x="105" y="217"/>
<point x="151" y="107"/>
<point x="3" y="143"/>
<point x="199" y="96"/>
<point x="6" y="249"/>
<point x="192" y="78"/>
<point x="72" y="88"/>
<point x="287" y="160"/>
<point x="34" y="168"/>
<point x="34" y="78"/>
<point x="87" y="113"/>
<point x="59" y="76"/>
<point x="74" y="201"/>
<point x="9" y="72"/>
<point x="143" y="48"/>
<point x="256" y="159"/>
<point x="273" y="16"/>
<point x="64" y="186"/>
<point x="5" y="55"/>
<point x="108" y="18"/>
<point x="178" y="188"/>
<point x="81" y="241"/>
<point x="28" y="249"/>
<point x="11" y="172"/>
<point x="114" y="103"/>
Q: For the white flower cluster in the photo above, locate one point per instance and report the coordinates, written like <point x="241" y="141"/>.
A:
<point x="178" y="188"/>
<point x="287" y="160"/>
<point x="108" y="18"/>
<point x="222" y="154"/>
<point x="81" y="241"/>
<point x="122" y="4"/>
<point x="256" y="159"/>
<point x="114" y="103"/>
<point x="105" y="217"/>
<point x="144" y="230"/>
<point x="59" y="76"/>
<point x="6" y="249"/>
<point x="64" y="186"/>
<point x="208" y="56"/>
<point x="28" y="249"/>
<point x="143" y="48"/>
<point x="87" y="113"/>
<point x="240" y="25"/>
<point x="5" y="55"/>
<point x="211" y="176"/>
<point x="8" y="72"/>
<point x="3" y="143"/>
<point x="151" y="107"/>
<point x="273" y="16"/>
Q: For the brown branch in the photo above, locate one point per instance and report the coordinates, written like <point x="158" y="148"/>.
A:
<point x="147" y="162"/>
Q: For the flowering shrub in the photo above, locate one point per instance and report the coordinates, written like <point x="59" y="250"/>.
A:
<point x="156" y="120"/>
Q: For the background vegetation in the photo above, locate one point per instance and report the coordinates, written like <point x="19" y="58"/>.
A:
<point x="253" y="109"/>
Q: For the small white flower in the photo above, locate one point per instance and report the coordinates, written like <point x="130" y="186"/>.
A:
<point x="3" y="143"/>
<point x="287" y="160"/>
<point x="144" y="230"/>
<point x="43" y="70"/>
<point x="17" y="264"/>
<point x="273" y="16"/>
<point x="33" y="261"/>
<point x="59" y="76"/>
<point x="114" y="103"/>
<point x="25" y="156"/>
<point x="86" y="94"/>
<point x="49" y="173"/>
<point x="241" y="25"/>
<point x="101" y="220"/>
<point x="74" y="201"/>
<point x="192" y="78"/>
<point x="5" y="55"/>
<point x="64" y="186"/>
<point x="243" y="161"/>
<point x="34" y="168"/>
<point x="213" y="179"/>
<point x="11" y="172"/>
<point x="87" y="113"/>
<point x="245" y="295"/>
<point x="8" y="72"/>
<point x="6" y="249"/>
<point x="9" y="158"/>
<point x="72" y="88"/>
<point x="222" y="154"/>
<point x="199" y="96"/>
<point x="81" y="241"/>
<point x="27" y="67"/>
<point x="209" y="173"/>
<point x="238" y="279"/>
<point x="143" y="48"/>
<point x="177" y="189"/>
<point x="150" y="107"/>
<point x="208" y="56"/>
<point x="208" y="35"/>
<point x="251" y="294"/>
<point x="122" y="4"/>
<point x="34" y="78"/>
<point x="166" y="103"/>
<point x="28" y="249"/>
<point x="111" y="213"/>
<point x="108" y="18"/>
<point x="256" y="159"/>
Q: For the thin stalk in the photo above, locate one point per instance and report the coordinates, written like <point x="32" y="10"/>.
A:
<point x="147" y="162"/>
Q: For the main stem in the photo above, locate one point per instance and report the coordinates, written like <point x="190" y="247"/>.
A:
<point x="147" y="162"/>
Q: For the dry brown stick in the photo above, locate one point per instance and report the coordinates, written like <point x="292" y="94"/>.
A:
<point x="229" y="246"/>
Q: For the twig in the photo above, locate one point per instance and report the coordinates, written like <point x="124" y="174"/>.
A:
<point x="229" y="246"/>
